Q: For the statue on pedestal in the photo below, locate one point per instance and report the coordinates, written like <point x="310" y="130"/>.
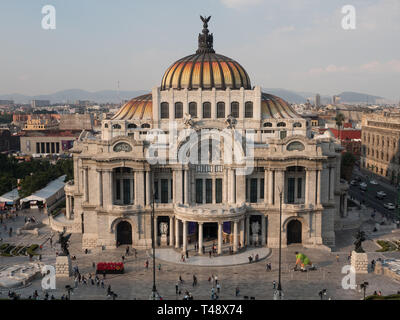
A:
<point x="360" y="237"/>
<point x="230" y="121"/>
<point x="187" y="120"/>
<point x="63" y="241"/>
<point x="164" y="228"/>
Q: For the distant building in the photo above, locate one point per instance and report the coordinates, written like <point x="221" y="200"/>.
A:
<point x="40" y="103"/>
<point x="317" y="100"/>
<point x="336" y="99"/>
<point x="40" y="124"/>
<point x="76" y="122"/>
<point x="380" y="145"/>
<point x="47" y="142"/>
<point x="6" y="102"/>
<point x="349" y="139"/>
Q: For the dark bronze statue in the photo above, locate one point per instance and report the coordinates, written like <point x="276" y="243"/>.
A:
<point x="360" y="237"/>
<point x="63" y="241"/>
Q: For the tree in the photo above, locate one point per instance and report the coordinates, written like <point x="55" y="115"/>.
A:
<point x="347" y="165"/>
<point x="339" y="122"/>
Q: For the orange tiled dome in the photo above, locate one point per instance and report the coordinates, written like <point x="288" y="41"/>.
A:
<point x="138" y="108"/>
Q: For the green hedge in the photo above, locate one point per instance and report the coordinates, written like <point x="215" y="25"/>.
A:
<point x="389" y="297"/>
<point x="31" y="250"/>
<point x="386" y="246"/>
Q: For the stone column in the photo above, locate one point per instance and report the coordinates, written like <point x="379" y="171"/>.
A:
<point x="319" y="187"/>
<point x="139" y="188"/>
<point x="247" y="230"/>
<point x="149" y="195"/>
<point x="235" y="236"/>
<point x="155" y="231"/>
<point x="86" y="184"/>
<point x="213" y="190"/>
<point x="231" y="184"/>
<point x="184" y="245"/>
<point x="67" y="208"/>
<point x="241" y="233"/>
<point x="178" y="186"/>
<point x="100" y="188"/>
<point x="109" y="191"/>
<point x="186" y="186"/>
<point x="307" y="194"/>
<point x="263" y="227"/>
<point x="219" y="237"/>
<point x="171" y="231"/>
<point x="266" y="182"/>
<point x="271" y="187"/>
<point x="177" y="233"/>
<point x="240" y="186"/>
<point x="200" y="242"/>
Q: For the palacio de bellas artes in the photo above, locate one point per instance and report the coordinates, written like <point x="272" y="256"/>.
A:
<point x="215" y="154"/>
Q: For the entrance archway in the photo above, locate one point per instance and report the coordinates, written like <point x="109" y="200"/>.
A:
<point x="124" y="233"/>
<point x="210" y="230"/>
<point x="294" y="232"/>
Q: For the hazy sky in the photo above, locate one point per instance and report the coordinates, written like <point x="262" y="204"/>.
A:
<point x="293" y="44"/>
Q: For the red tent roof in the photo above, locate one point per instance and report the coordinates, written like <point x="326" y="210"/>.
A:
<point x="346" y="134"/>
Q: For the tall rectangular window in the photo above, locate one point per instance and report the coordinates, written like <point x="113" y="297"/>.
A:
<point x="208" y="190"/>
<point x="248" y="109"/>
<point x="178" y="110"/>
<point x="127" y="191"/>
<point x="156" y="196"/>
<point x="253" y="190"/>
<point x="299" y="187"/>
<point x="193" y="109"/>
<point x="291" y="183"/>
<point x="118" y="185"/>
<point x="199" y="190"/>
<point x="206" y="110"/>
<point x="164" y="110"/>
<point x="220" y="110"/>
<point x="164" y="190"/>
<point x="235" y="109"/>
<point x="262" y="188"/>
<point x="218" y="190"/>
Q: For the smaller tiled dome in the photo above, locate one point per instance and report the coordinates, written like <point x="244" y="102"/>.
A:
<point x="273" y="107"/>
<point x="138" y="108"/>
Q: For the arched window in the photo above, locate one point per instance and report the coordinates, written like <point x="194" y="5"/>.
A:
<point x="297" y="125"/>
<point x="206" y="110"/>
<point x="248" y="109"/>
<point x="235" y="109"/>
<point x="281" y="124"/>
<point x="145" y="125"/>
<point x="267" y="124"/>
<point x="221" y="110"/>
<point x="116" y="126"/>
<point x="132" y="126"/>
<point x="193" y="109"/>
<point x="106" y="125"/>
<point x="296" y="145"/>
<point x="164" y="110"/>
<point x="178" y="110"/>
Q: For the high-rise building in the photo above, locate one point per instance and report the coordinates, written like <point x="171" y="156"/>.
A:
<point x="40" y="103"/>
<point x="317" y="100"/>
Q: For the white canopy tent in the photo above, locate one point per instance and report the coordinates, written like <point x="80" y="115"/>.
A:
<point x="49" y="194"/>
<point x="10" y="197"/>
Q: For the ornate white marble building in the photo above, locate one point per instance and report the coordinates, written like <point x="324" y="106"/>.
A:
<point x="199" y="194"/>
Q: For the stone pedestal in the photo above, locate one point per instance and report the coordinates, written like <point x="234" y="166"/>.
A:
<point x="164" y="240"/>
<point x="63" y="266"/>
<point x="360" y="262"/>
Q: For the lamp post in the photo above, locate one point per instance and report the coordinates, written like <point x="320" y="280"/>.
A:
<point x="364" y="286"/>
<point x="154" y="293"/>
<point x="278" y="293"/>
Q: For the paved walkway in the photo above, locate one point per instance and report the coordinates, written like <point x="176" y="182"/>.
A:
<point x="170" y="255"/>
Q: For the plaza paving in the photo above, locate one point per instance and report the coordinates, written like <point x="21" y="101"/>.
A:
<point x="252" y="279"/>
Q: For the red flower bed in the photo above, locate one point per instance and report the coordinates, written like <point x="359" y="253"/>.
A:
<point x="110" y="267"/>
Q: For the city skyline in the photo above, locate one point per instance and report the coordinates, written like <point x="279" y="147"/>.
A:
<point x="96" y="44"/>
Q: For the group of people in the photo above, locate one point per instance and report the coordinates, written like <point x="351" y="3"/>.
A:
<point x="253" y="258"/>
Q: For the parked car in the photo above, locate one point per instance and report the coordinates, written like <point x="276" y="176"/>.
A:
<point x="389" y="206"/>
<point x="363" y="186"/>
<point x="353" y="182"/>
<point x="373" y="182"/>
<point x="381" y="194"/>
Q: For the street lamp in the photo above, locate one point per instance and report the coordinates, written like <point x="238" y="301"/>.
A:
<point x="363" y="286"/>
<point x="278" y="293"/>
<point x="154" y="293"/>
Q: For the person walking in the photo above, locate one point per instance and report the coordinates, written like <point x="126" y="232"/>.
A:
<point x="237" y="291"/>
<point x="176" y="288"/>
<point x="274" y="284"/>
<point x="218" y="287"/>
<point x="194" y="281"/>
<point x="147" y="264"/>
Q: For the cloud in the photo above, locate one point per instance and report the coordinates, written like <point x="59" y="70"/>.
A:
<point x="236" y="4"/>
<point x="328" y="69"/>
<point x="372" y="67"/>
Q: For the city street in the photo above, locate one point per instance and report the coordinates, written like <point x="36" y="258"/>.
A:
<point x="369" y="197"/>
